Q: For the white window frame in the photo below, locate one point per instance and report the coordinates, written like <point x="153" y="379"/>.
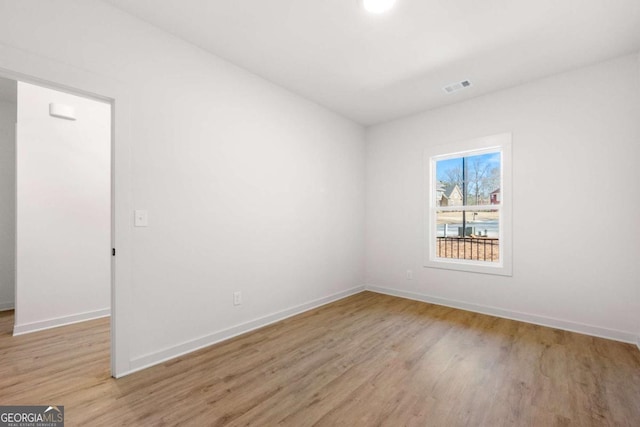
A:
<point x="496" y="143"/>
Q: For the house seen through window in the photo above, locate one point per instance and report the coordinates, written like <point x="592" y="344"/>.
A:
<point x="469" y="210"/>
<point x="469" y="227"/>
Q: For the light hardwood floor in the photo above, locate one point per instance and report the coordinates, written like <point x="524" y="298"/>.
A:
<point x="367" y="360"/>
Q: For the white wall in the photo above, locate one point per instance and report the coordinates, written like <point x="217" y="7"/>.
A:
<point x="248" y="186"/>
<point x="7" y="203"/>
<point x="63" y="210"/>
<point x="575" y="208"/>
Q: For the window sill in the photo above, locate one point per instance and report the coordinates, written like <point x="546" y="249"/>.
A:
<point x="469" y="266"/>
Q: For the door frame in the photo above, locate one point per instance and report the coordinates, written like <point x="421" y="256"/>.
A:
<point x="25" y="66"/>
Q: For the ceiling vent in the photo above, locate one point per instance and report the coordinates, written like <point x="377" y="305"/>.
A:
<point x="454" y="87"/>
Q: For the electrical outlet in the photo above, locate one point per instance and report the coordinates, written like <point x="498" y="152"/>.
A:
<point x="237" y="298"/>
<point x="141" y="218"/>
<point x="409" y="274"/>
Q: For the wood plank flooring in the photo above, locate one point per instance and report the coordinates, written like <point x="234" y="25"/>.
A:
<point x="367" y="360"/>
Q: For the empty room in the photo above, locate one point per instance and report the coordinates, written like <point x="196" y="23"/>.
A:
<point x="320" y="213"/>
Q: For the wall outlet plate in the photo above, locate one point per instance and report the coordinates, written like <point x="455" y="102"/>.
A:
<point x="141" y="218"/>
<point x="237" y="298"/>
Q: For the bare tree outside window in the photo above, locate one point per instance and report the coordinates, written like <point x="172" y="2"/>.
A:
<point x="472" y="183"/>
<point x="469" y="209"/>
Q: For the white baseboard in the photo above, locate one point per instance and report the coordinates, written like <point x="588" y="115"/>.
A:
<point x="566" y="325"/>
<point x="158" y="357"/>
<point x="59" y="321"/>
<point x="8" y="305"/>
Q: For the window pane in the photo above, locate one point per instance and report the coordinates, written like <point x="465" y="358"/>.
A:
<point x="482" y="176"/>
<point x="449" y="182"/>
<point x="480" y="242"/>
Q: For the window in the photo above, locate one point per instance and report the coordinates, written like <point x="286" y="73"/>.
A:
<point x="469" y="205"/>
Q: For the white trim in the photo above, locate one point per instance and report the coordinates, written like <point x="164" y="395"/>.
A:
<point x="638" y="342"/>
<point x="59" y="321"/>
<point x="566" y="325"/>
<point x="501" y="143"/>
<point x="5" y="306"/>
<point x="158" y="357"/>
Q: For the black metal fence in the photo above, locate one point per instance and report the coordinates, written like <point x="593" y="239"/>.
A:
<point x="472" y="248"/>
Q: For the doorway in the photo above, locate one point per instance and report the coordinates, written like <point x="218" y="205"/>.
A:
<point x="46" y="179"/>
<point x="25" y="66"/>
<point x="63" y="212"/>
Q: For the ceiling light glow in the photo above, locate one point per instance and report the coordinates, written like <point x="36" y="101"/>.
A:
<point x="378" y="6"/>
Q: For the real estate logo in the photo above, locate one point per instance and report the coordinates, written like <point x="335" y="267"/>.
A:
<point x="32" y="416"/>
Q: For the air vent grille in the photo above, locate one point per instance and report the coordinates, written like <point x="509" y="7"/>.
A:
<point x="454" y="87"/>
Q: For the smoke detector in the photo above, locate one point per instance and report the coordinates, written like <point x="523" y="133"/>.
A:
<point x="454" y="87"/>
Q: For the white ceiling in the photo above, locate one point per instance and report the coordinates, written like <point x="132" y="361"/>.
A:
<point x="374" y="68"/>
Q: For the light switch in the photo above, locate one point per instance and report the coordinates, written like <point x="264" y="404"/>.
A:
<point x="141" y="218"/>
